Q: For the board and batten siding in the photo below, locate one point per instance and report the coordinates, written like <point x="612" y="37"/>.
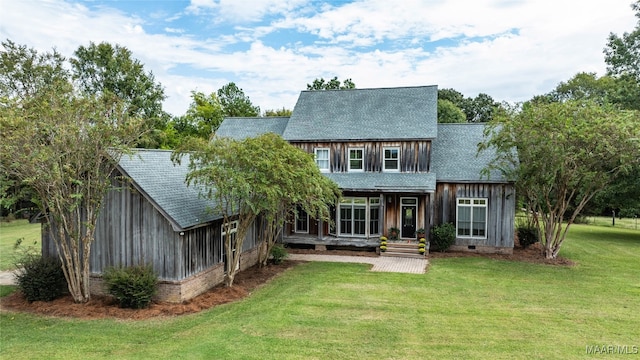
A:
<point x="500" y="210"/>
<point x="414" y="155"/>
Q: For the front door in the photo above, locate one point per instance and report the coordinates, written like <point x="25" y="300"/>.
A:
<point x="409" y="214"/>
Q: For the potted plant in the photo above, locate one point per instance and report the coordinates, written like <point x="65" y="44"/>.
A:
<point x="394" y="232"/>
<point x="421" y="233"/>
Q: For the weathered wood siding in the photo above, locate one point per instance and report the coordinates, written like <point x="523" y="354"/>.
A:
<point x="500" y="210"/>
<point x="130" y="231"/>
<point x="415" y="156"/>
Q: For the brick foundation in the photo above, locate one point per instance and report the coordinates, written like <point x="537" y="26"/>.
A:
<point x="180" y="291"/>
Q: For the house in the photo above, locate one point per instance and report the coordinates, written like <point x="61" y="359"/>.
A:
<point x="152" y="217"/>
<point x="397" y="168"/>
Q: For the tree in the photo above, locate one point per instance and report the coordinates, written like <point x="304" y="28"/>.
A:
<point x="622" y="54"/>
<point x="278" y="112"/>
<point x="106" y="69"/>
<point x="448" y="112"/>
<point x="64" y="145"/>
<point x="333" y="84"/>
<point x="566" y="153"/>
<point x="256" y="176"/>
<point x="235" y="103"/>
<point x="203" y="117"/>
<point x="482" y="108"/>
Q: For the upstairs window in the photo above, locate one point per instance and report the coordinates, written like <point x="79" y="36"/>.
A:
<point x="471" y="216"/>
<point x="322" y="159"/>
<point x="356" y="159"/>
<point x="391" y="161"/>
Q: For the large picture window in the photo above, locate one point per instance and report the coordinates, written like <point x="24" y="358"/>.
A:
<point x="356" y="159"/>
<point x="391" y="161"/>
<point x="471" y="218"/>
<point x="322" y="159"/>
<point x="359" y="216"/>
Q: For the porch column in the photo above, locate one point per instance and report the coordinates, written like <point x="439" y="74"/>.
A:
<point x="381" y="219"/>
<point x="320" y="229"/>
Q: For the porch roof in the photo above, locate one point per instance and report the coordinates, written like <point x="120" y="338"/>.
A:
<point x="385" y="182"/>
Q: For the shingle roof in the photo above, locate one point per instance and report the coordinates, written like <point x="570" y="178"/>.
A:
<point x="455" y="154"/>
<point x="364" y="114"/>
<point x="241" y="128"/>
<point x="388" y="182"/>
<point x="163" y="184"/>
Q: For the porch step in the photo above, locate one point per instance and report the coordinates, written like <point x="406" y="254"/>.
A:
<point x="400" y="249"/>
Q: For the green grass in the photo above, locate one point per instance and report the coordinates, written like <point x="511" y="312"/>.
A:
<point x="10" y="232"/>
<point x="463" y="308"/>
<point x="625" y="223"/>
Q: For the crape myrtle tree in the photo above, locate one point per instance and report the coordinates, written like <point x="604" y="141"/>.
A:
<point x="254" y="177"/>
<point x="562" y="154"/>
<point x="63" y="144"/>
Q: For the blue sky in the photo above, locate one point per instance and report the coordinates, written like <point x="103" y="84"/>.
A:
<point x="509" y="49"/>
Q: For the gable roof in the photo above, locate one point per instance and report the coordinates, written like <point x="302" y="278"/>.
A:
<point x="364" y="114"/>
<point x="240" y="128"/>
<point x="455" y="154"/>
<point x="161" y="182"/>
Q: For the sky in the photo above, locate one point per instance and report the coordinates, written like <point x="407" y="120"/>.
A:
<point x="509" y="49"/>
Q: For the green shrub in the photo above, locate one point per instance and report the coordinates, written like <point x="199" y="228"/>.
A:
<point x="527" y="232"/>
<point x="443" y="236"/>
<point x="278" y="254"/>
<point x="133" y="287"/>
<point x="41" y="278"/>
<point x="527" y="235"/>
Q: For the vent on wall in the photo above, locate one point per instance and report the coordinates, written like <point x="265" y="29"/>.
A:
<point x="471" y="247"/>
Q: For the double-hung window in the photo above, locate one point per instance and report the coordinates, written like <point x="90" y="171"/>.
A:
<point x="356" y="159"/>
<point x="322" y="159"/>
<point x="471" y="218"/>
<point x="391" y="161"/>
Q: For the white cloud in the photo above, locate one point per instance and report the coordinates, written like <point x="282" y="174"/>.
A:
<point x="510" y="50"/>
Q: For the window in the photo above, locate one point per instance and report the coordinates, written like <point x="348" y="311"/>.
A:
<point x="230" y="228"/>
<point x="471" y="215"/>
<point x="359" y="217"/>
<point x="391" y="161"/>
<point x="322" y="159"/>
<point x="353" y="216"/>
<point x="302" y="221"/>
<point x="356" y="159"/>
<point x="374" y="216"/>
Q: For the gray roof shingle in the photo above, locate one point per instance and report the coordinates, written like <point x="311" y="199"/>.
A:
<point x="455" y="154"/>
<point x="163" y="184"/>
<point x="388" y="182"/>
<point x="364" y="114"/>
<point x="240" y="128"/>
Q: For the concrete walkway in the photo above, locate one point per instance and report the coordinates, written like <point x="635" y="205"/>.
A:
<point x="381" y="264"/>
<point x="7" y="278"/>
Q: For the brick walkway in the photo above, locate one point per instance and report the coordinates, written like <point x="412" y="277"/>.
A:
<point x="381" y="264"/>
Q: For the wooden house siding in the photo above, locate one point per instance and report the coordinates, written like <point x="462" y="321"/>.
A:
<point x="500" y="211"/>
<point x="414" y="155"/>
<point x="131" y="231"/>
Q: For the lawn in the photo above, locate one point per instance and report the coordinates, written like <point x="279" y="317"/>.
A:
<point x="10" y="232"/>
<point x="462" y="308"/>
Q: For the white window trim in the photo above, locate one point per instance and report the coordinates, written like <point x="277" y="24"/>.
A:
<point x="315" y="152"/>
<point x="367" y="206"/>
<point x="472" y="205"/>
<point x="384" y="158"/>
<point x="349" y="159"/>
